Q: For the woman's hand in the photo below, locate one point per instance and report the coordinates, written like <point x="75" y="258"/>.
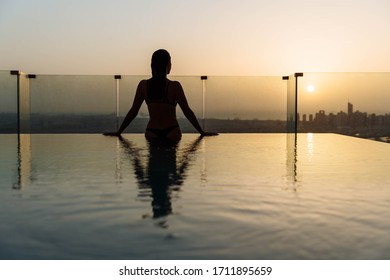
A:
<point x="112" y="134"/>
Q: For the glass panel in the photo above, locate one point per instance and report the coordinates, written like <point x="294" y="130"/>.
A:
<point x="291" y="104"/>
<point x="193" y="90"/>
<point x="291" y="126"/>
<point x="348" y="103"/>
<point x="245" y="104"/>
<point x="76" y="104"/>
<point x="127" y="88"/>
<point x="8" y="102"/>
<point x="9" y="159"/>
<point x="24" y="103"/>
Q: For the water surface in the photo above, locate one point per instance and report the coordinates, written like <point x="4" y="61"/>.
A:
<point x="235" y="196"/>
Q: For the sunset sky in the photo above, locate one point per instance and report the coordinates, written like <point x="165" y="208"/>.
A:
<point x="229" y="37"/>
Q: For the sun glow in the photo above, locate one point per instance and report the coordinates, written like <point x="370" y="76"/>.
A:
<point x="310" y="88"/>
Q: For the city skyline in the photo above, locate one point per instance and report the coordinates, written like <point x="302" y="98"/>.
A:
<point x="349" y="112"/>
<point x="352" y="122"/>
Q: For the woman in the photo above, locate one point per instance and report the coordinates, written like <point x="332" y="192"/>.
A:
<point x="161" y="95"/>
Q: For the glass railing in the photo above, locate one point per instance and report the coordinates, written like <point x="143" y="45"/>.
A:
<point x="291" y="122"/>
<point x="8" y="102"/>
<point x="62" y="104"/>
<point x="24" y="104"/>
<point x="224" y="104"/>
<point x="348" y="103"/>
<point x="95" y="104"/>
<point x="126" y="93"/>
<point x="245" y="104"/>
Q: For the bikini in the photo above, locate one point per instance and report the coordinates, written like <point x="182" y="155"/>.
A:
<point x="160" y="133"/>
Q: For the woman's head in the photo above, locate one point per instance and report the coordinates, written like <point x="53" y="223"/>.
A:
<point x="161" y="63"/>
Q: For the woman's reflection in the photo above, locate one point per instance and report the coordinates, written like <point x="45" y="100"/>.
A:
<point x="164" y="173"/>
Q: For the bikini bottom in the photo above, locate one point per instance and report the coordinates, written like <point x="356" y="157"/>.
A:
<point x="162" y="133"/>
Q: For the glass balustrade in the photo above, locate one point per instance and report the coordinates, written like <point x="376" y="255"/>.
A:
<point x="8" y="102"/>
<point x="291" y="102"/>
<point x="348" y="103"/>
<point x="24" y="104"/>
<point x="245" y="104"/>
<point x="73" y="104"/>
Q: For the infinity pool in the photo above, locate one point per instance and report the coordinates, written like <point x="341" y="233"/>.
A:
<point x="234" y="196"/>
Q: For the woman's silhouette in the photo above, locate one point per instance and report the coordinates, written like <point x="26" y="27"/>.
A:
<point x="161" y="95"/>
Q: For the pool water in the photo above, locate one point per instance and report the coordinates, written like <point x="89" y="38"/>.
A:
<point x="234" y="196"/>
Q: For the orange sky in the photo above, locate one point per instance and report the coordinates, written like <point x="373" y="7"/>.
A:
<point x="229" y="37"/>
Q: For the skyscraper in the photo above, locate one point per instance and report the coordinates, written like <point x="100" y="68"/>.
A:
<point x="350" y="109"/>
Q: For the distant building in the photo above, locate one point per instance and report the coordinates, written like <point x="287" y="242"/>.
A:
<point x="350" y="109"/>
<point x="341" y="119"/>
<point x="321" y="118"/>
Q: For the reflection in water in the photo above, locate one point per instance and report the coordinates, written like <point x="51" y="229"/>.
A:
<point x="340" y="210"/>
<point x="24" y="161"/>
<point x="163" y="174"/>
<point x="310" y="146"/>
<point x="292" y="157"/>
<point x="203" y="174"/>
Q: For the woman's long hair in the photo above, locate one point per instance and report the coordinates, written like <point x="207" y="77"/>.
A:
<point x="157" y="84"/>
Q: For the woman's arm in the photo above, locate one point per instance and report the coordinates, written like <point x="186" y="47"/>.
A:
<point x="188" y="113"/>
<point x="133" y="112"/>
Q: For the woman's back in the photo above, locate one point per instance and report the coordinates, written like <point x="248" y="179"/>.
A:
<point x="160" y="97"/>
<point x="159" y="90"/>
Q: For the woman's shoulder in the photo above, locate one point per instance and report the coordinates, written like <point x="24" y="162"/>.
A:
<point x="173" y="81"/>
<point x="174" y="84"/>
<point x="143" y="83"/>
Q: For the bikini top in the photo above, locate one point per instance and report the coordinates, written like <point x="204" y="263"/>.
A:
<point x="161" y="97"/>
